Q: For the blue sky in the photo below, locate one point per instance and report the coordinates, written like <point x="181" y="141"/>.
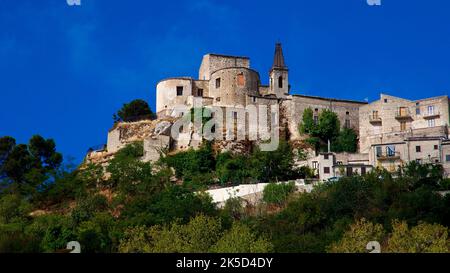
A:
<point x="65" y="70"/>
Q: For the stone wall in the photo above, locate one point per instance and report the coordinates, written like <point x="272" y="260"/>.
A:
<point x="214" y="62"/>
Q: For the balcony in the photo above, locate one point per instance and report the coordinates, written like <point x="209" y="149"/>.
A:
<point x="431" y="115"/>
<point x="374" y="119"/>
<point x="403" y="113"/>
<point x="388" y="156"/>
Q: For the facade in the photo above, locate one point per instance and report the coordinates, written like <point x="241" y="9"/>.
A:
<point x="392" y="131"/>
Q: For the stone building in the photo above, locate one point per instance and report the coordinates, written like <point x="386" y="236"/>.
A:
<point x="392" y="131"/>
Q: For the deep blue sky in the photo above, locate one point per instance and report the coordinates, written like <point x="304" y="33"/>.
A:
<point x="65" y="70"/>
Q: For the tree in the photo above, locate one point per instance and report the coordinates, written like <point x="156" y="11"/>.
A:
<point x="134" y="111"/>
<point x="346" y="141"/>
<point x="423" y="238"/>
<point x="355" y="240"/>
<point x="278" y="193"/>
<point x="329" y="125"/>
<point x="195" y="237"/>
<point x="24" y="168"/>
<point x="308" y="125"/>
<point x="240" y="239"/>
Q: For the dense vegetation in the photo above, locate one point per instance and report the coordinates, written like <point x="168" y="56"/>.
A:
<point x="327" y="128"/>
<point x="134" y="111"/>
<point x="133" y="206"/>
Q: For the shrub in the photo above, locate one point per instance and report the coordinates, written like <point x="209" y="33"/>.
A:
<point x="278" y="193"/>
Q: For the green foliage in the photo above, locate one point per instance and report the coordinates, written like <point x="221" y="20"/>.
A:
<point x="423" y="238"/>
<point x="278" y="193"/>
<point x="54" y="232"/>
<point x="25" y="168"/>
<point x="201" y="235"/>
<point x="87" y="207"/>
<point x="240" y="239"/>
<point x="327" y="128"/>
<point x="355" y="240"/>
<point x="134" y="111"/>
<point x="95" y="234"/>
<point x="173" y="203"/>
<point x="346" y="141"/>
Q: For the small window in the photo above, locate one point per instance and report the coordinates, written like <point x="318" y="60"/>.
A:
<point x="418" y="150"/>
<point x="403" y="126"/>
<point x="363" y="170"/>
<point x="379" y="151"/>
<point x="218" y="83"/>
<point x="179" y="90"/>
<point x="240" y="79"/>
<point x="326" y="170"/>
<point x="280" y="82"/>
<point x="218" y="99"/>
<point x="325" y="156"/>
<point x="254" y="99"/>
<point x="436" y="147"/>
<point x="235" y="115"/>
<point x="390" y="150"/>
<point x="347" y="123"/>
<point x="431" y="123"/>
<point x="347" y="113"/>
<point x="200" y="92"/>
<point x="447" y="158"/>
<point x="431" y="110"/>
<point x="385" y="100"/>
<point x="315" y="165"/>
<point x="339" y="163"/>
<point x="417" y="111"/>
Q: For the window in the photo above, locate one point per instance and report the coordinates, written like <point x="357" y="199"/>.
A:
<point x="363" y="170"/>
<point x="218" y="99"/>
<point x="385" y="100"/>
<point x="280" y="82"/>
<point x="235" y="115"/>
<point x="375" y="114"/>
<point x="254" y="99"/>
<point x="347" y="113"/>
<point x="326" y="169"/>
<point x="417" y="111"/>
<point x="379" y="151"/>
<point x="339" y="163"/>
<point x="436" y="147"/>
<point x="325" y="156"/>
<point x="315" y="165"/>
<point x="240" y="79"/>
<point x="218" y="83"/>
<point x="390" y="150"/>
<point x="430" y="110"/>
<point x="417" y="149"/>
<point x="200" y="92"/>
<point x="179" y="90"/>
<point x="431" y="123"/>
<point x="347" y="123"/>
<point x="447" y="158"/>
<point x="349" y="171"/>
<point x="402" y="126"/>
<point x="316" y="120"/>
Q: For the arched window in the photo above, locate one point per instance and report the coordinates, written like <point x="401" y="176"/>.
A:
<point x="280" y="82"/>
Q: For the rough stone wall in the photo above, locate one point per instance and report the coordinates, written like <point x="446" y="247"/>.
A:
<point x="166" y="93"/>
<point x="235" y="85"/>
<point x="213" y="62"/>
<point x="153" y="146"/>
<point x="388" y="127"/>
<point x="297" y="104"/>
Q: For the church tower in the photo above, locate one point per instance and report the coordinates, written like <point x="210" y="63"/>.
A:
<point x="279" y="83"/>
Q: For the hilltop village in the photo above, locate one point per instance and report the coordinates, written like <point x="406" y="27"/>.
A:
<point x="391" y="131"/>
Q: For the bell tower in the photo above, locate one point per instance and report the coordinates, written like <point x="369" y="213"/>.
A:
<point x="279" y="81"/>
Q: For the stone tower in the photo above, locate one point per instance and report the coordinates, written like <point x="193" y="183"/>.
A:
<point x="279" y="82"/>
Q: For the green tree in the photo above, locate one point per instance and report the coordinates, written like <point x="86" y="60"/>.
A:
<point x="25" y="168"/>
<point x="346" y="141"/>
<point x="423" y="238"/>
<point x="134" y="111"/>
<point x="278" y="193"/>
<point x="356" y="238"/>
<point x="240" y="239"/>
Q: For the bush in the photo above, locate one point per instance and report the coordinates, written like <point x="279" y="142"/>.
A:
<point x="134" y="111"/>
<point x="278" y="193"/>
